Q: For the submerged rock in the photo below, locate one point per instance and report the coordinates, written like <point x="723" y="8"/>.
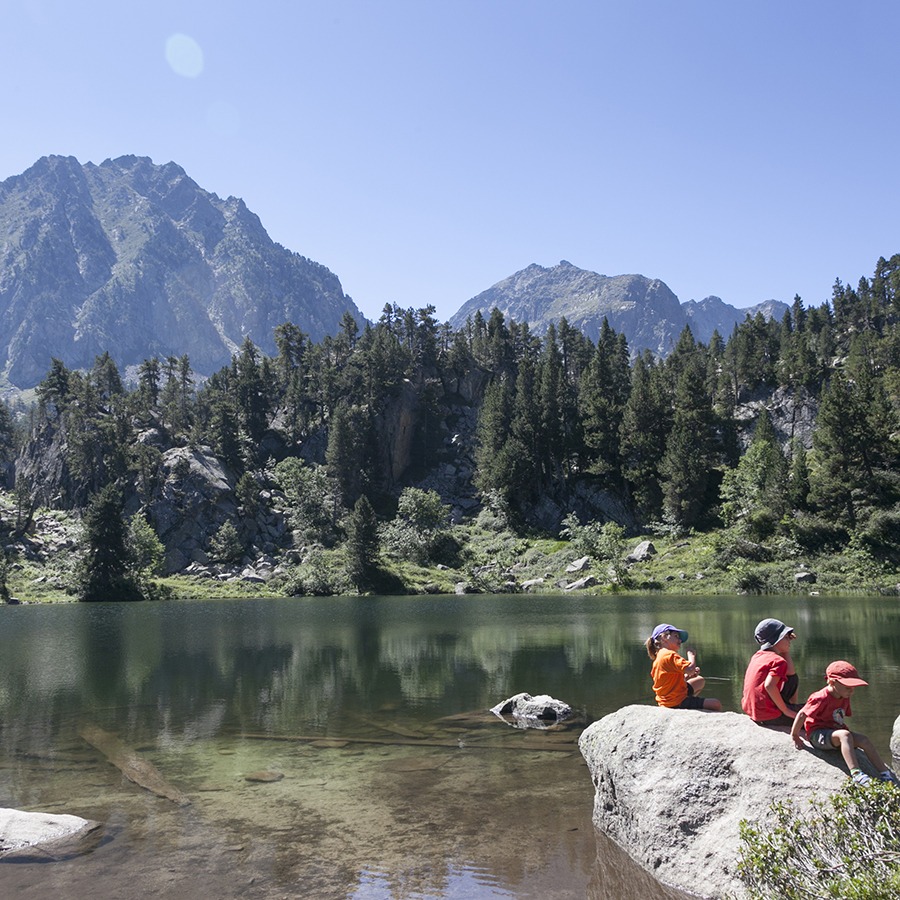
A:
<point x="671" y="787"/>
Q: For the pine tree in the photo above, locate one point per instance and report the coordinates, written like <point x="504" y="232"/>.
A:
<point x="687" y="463"/>
<point x="104" y="571"/>
<point x="361" y="547"/>
<point x="646" y="418"/>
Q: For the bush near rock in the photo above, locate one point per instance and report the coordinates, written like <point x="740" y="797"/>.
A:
<point x="671" y="787"/>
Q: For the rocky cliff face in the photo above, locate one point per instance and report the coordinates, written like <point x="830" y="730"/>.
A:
<point x="137" y="259"/>
<point x="643" y="309"/>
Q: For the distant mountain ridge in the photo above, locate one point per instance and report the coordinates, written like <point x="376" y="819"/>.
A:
<point x="137" y="259"/>
<point x="644" y="309"/>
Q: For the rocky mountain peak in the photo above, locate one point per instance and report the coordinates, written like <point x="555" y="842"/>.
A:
<point x="137" y="259"/>
<point x="644" y="309"/>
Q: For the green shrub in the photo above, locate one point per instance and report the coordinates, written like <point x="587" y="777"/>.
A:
<point x="225" y="546"/>
<point x="845" y="847"/>
<point x="881" y="535"/>
<point x="817" y="535"/>
<point x="314" y="577"/>
<point x="747" y="579"/>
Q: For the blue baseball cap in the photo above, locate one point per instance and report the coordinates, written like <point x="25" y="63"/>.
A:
<point x="662" y="629"/>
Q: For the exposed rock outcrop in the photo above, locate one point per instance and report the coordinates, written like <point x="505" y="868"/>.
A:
<point x="673" y="785"/>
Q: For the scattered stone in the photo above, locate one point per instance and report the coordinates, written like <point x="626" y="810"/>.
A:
<point x="642" y="552"/>
<point x="586" y="582"/>
<point x="579" y="565"/>
<point x="805" y="577"/>
<point x="264" y="777"/>
<point x="532" y="583"/>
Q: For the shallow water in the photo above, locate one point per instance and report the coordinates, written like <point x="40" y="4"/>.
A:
<point x="383" y="775"/>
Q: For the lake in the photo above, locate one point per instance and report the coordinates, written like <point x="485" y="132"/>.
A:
<point x="376" y="770"/>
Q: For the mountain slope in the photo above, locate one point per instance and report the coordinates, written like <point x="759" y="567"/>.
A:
<point x="644" y="309"/>
<point x="137" y="259"/>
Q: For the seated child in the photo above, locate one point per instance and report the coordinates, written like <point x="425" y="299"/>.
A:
<point x="676" y="680"/>
<point x="824" y="716"/>
<point x="770" y="682"/>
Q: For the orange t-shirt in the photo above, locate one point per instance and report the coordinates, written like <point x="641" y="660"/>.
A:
<point x="667" y="673"/>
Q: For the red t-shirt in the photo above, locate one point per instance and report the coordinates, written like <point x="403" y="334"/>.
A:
<point x="825" y="710"/>
<point x="756" y="701"/>
<point x="667" y="673"/>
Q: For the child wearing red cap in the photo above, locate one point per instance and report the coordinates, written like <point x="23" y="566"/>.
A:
<point x="676" y="681"/>
<point x="824" y="716"/>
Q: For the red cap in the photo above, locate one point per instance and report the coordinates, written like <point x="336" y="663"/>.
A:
<point x="842" y="671"/>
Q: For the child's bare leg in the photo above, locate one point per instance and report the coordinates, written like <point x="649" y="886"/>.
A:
<point x="711" y="704"/>
<point x="698" y="682"/>
<point x="864" y="744"/>
<point x="843" y="740"/>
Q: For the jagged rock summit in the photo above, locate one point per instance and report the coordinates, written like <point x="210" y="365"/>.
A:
<point x="643" y="309"/>
<point x="138" y="260"/>
<point x="671" y="787"/>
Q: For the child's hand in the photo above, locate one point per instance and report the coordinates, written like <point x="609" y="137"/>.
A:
<point x="692" y="657"/>
<point x="798" y="741"/>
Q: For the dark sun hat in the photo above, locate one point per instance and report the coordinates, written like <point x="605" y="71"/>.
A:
<point x="770" y="631"/>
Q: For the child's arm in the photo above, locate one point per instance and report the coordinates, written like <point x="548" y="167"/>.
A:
<point x="771" y="686"/>
<point x="796" y="727"/>
<point x="692" y="668"/>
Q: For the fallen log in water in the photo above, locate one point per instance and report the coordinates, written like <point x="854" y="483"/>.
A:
<point x="469" y="742"/>
<point x="133" y="767"/>
<point x="392" y="728"/>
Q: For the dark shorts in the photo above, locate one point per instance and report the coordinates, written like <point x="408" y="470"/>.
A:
<point x="821" y="738"/>
<point x="691" y="702"/>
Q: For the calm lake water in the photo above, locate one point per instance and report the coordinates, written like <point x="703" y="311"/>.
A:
<point x="393" y="780"/>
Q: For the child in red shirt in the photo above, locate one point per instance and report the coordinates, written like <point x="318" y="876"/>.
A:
<point x="824" y="716"/>
<point x="676" y="681"/>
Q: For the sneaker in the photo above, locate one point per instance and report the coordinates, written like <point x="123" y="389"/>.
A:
<point x="888" y="776"/>
<point x="859" y="777"/>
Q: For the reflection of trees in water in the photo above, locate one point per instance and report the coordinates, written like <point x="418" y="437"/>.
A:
<point x="183" y="670"/>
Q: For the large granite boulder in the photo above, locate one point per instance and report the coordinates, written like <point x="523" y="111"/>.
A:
<point x="895" y="741"/>
<point x="37" y="835"/>
<point x="673" y="785"/>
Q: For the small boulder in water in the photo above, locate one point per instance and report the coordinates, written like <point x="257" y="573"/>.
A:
<point x="533" y="712"/>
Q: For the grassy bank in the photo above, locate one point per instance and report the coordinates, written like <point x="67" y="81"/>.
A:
<point x="490" y="562"/>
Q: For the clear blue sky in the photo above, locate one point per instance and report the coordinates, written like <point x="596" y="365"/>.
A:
<point x="423" y="150"/>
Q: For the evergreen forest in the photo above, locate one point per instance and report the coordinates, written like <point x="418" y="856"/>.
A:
<point x="408" y="456"/>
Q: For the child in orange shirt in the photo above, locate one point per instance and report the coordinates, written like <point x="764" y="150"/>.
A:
<point x="824" y="716"/>
<point x="676" y="680"/>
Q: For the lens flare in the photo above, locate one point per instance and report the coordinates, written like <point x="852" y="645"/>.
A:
<point x="184" y="56"/>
